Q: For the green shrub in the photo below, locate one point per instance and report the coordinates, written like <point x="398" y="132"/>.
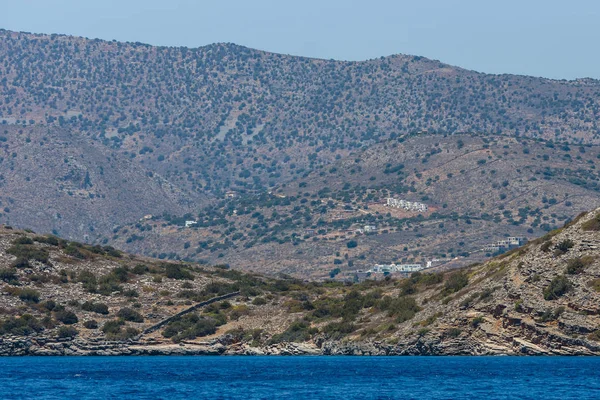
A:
<point x="89" y="281"/>
<point x="259" y="301"/>
<point x="190" y="326"/>
<point x="453" y="332"/>
<point x="140" y="269"/>
<point x="66" y="317"/>
<point x="175" y="271"/>
<point x="24" y="325"/>
<point x="91" y="324"/>
<point x="476" y="321"/>
<point x="129" y="314"/>
<point x="28" y="252"/>
<point x="563" y="246"/>
<point x="28" y="295"/>
<point x="9" y="276"/>
<point x="298" y="331"/>
<point x="99" y="308"/>
<point x="351" y="244"/>
<point x="114" y="330"/>
<point x="455" y="282"/>
<point x="557" y="287"/>
<point x="67" y="332"/>
<point x="403" y="308"/>
<point x="575" y="266"/>
<point x="593" y="224"/>
<point x="337" y="330"/>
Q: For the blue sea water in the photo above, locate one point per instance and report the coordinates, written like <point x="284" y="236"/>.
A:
<point x="300" y="377"/>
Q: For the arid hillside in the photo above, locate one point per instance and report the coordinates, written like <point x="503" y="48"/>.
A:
<point x="120" y="143"/>
<point x="478" y="189"/>
<point x="61" y="297"/>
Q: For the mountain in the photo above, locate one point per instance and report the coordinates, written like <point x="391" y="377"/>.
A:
<point x="98" y="135"/>
<point x="61" y="297"/>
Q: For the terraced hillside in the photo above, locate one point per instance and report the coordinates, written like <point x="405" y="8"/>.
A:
<point x="59" y="297"/>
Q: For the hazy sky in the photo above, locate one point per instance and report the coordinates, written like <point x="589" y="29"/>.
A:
<point x="551" y="38"/>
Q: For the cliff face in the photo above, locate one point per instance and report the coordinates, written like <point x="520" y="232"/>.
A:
<point x="543" y="298"/>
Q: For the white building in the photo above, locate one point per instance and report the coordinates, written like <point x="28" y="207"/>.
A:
<point x="406" y="205"/>
<point x="190" y="223"/>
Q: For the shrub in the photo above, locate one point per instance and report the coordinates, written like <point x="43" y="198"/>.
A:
<point x="453" y="332"/>
<point x="174" y="271"/>
<point x="352" y="244"/>
<point x="563" y="246"/>
<point x="296" y="332"/>
<point x="337" y="330"/>
<point x="66" y="317"/>
<point x="129" y="314"/>
<point x="455" y="282"/>
<point x="259" y="301"/>
<point x="9" y="276"/>
<point x="476" y="321"/>
<point x="557" y="287"/>
<point x="99" y="308"/>
<point x="575" y="266"/>
<point x="67" y="332"/>
<point x="403" y="308"/>
<point x="21" y="263"/>
<point x="28" y="252"/>
<point x="140" y="269"/>
<point x="24" y="325"/>
<point x="189" y="326"/>
<point x="593" y="224"/>
<point x="91" y="324"/>
<point x="89" y="281"/>
<point x="28" y="295"/>
<point x="22" y="240"/>
<point x="131" y="293"/>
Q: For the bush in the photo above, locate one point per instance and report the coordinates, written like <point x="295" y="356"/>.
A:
<point x="476" y="321"/>
<point x="352" y="244"/>
<point x="66" y="317"/>
<point x="99" y="308"/>
<point x="28" y="252"/>
<point x="9" y="276"/>
<point x="114" y="330"/>
<point x="455" y="282"/>
<point x="563" y="246"/>
<point x="259" y="301"/>
<point x="89" y="281"/>
<point x="575" y="266"/>
<point x="28" y="295"/>
<point x="189" y="327"/>
<point x="67" y="332"/>
<point x="129" y="314"/>
<point x="593" y="224"/>
<point x="174" y="271"/>
<point x="91" y="324"/>
<point x="140" y="269"/>
<point x="298" y="331"/>
<point x="403" y="308"/>
<point x="557" y="287"/>
<point x="21" y="326"/>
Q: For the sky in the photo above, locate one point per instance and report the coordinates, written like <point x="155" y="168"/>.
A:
<point x="550" y="38"/>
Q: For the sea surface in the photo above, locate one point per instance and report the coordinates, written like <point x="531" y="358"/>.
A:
<point x="316" y="377"/>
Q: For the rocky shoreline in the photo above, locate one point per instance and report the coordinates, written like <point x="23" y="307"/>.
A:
<point x="44" y="346"/>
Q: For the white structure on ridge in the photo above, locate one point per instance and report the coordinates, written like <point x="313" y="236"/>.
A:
<point x="383" y="268"/>
<point x="407" y="205"/>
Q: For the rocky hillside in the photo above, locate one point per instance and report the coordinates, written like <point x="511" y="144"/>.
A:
<point x="178" y="127"/>
<point x="479" y="189"/>
<point x="61" y="297"/>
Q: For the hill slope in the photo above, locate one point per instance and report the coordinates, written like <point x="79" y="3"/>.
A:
<point x="171" y="130"/>
<point x="64" y="298"/>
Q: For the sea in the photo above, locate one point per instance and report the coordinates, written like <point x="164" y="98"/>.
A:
<point x="299" y="377"/>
